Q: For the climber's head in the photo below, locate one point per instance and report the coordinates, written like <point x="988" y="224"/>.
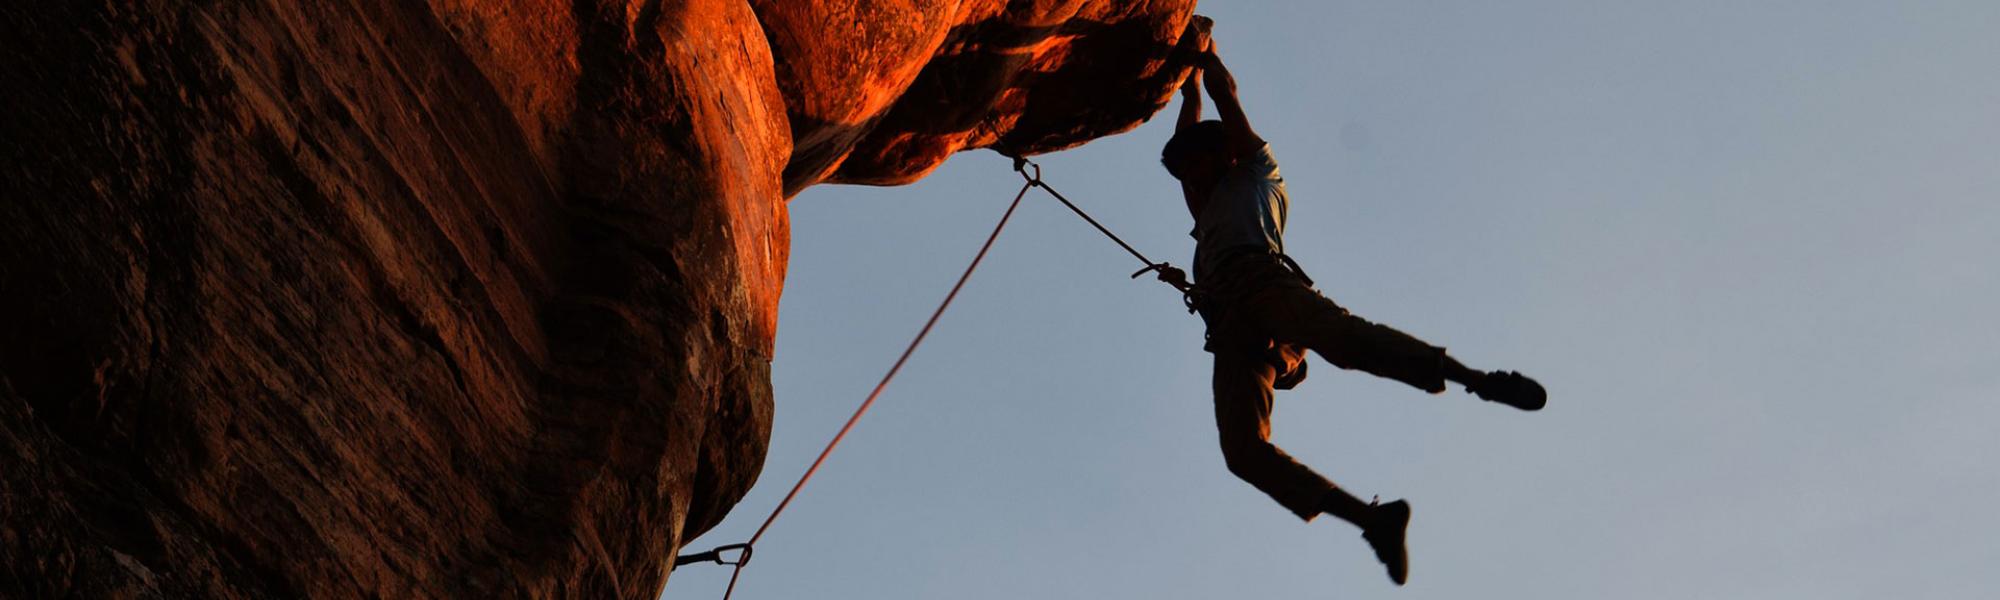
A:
<point x="1196" y="153"/>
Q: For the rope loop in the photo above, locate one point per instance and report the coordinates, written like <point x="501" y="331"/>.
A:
<point x="1021" y="164"/>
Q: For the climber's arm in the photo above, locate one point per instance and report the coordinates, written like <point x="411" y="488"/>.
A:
<point x="1190" y="101"/>
<point x="1190" y="114"/>
<point x="1196" y="47"/>
<point x="1222" y="88"/>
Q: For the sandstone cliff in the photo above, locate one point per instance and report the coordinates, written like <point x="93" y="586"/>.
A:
<point x="451" y="298"/>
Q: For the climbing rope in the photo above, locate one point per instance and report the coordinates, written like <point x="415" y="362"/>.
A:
<point x="1035" y="180"/>
<point x="721" y="554"/>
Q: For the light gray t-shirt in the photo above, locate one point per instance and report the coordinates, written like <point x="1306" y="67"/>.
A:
<point x="1247" y="208"/>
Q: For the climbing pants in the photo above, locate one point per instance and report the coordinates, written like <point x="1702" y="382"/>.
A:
<point x="1263" y="332"/>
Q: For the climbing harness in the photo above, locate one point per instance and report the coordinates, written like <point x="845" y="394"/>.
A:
<point x="722" y="554"/>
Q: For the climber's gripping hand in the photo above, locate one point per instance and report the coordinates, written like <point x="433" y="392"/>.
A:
<point x="1173" y="276"/>
<point x="1200" y="25"/>
<point x="1195" y="43"/>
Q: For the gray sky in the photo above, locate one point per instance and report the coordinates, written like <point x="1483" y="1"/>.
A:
<point x="1750" y="247"/>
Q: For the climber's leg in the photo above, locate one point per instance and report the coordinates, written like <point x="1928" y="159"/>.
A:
<point x="1302" y="316"/>
<point x="1243" y="419"/>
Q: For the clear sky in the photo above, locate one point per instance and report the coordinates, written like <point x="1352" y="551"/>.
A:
<point x="1752" y="249"/>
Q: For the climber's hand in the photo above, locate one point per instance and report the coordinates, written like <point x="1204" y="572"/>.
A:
<point x="1201" y="25"/>
<point x="1173" y="276"/>
<point x="1207" y="59"/>
<point x="1195" y="42"/>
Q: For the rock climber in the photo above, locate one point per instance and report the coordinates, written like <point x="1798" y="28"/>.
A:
<point x="1262" y="313"/>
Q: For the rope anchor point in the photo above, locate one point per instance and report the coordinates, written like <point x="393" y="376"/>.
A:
<point x="718" y="556"/>
<point x="1034" y="179"/>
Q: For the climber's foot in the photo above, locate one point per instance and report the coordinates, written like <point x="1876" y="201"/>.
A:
<point x="1384" y="533"/>
<point x="1510" y="388"/>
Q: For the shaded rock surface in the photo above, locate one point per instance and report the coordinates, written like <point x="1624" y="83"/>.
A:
<point x="451" y="298"/>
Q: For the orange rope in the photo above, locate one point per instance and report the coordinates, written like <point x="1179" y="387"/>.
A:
<point x="865" y="404"/>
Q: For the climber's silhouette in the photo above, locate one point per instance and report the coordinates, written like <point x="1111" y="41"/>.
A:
<point x="1262" y="313"/>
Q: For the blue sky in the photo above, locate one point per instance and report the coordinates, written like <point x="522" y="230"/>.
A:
<point x="1752" y="248"/>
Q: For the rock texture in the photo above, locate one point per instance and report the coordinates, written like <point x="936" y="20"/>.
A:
<point x="451" y="298"/>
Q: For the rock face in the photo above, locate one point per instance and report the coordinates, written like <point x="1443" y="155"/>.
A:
<point x="451" y="298"/>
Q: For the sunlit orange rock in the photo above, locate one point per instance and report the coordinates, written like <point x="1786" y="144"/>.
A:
<point x="921" y="79"/>
<point x="467" y="299"/>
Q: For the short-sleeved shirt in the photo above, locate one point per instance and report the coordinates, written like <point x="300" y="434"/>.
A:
<point x="1245" y="211"/>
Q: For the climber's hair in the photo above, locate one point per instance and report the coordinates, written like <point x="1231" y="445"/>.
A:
<point x="1189" y="143"/>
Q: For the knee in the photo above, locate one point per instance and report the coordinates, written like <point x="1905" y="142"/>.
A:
<point x="1247" y="457"/>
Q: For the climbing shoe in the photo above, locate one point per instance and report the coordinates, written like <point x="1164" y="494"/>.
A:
<point x="1385" y="534"/>
<point x="1512" y="389"/>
